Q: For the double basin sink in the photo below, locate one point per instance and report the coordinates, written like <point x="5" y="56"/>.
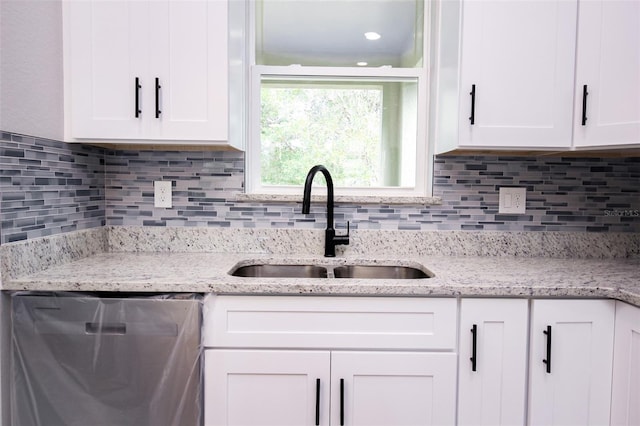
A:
<point x="328" y="271"/>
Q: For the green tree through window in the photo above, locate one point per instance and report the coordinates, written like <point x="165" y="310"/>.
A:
<point x="307" y="124"/>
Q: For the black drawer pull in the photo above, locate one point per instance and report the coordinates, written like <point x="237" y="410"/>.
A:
<point x="317" y="402"/>
<point x="137" y="90"/>
<point x="472" y="118"/>
<point x="585" y="93"/>
<point x="341" y="402"/>
<point x="158" y="87"/>
<point x="474" y="342"/>
<point x="547" y="361"/>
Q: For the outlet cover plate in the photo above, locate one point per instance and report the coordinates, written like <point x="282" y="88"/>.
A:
<point x="162" y="194"/>
<point x="513" y="200"/>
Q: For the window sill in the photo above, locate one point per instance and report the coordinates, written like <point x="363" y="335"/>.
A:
<point x="344" y="199"/>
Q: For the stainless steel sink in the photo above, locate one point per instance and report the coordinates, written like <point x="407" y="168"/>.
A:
<point x="329" y="271"/>
<point x="378" y="271"/>
<point x="281" y="271"/>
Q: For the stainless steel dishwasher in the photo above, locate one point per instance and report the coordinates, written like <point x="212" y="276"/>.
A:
<point x="106" y="360"/>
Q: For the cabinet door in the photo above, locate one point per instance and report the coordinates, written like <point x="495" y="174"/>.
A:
<point x="176" y="49"/>
<point x="520" y="57"/>
<point x="493" y="361"/>
<point x="570" y="367"/>
<point x="106" y="51"/>
<point x="265" y="388"/>
<point x="625" y="400"/>
<point x="608" y="64"/>
<point x="393" y="388"/>
<point x="189" y="57"/>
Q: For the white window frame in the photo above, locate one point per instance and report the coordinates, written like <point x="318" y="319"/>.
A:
<point x="424" y="156"/>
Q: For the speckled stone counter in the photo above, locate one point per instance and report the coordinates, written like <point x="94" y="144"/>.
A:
<point x="453" y="276"/>
<point x="194" y="269"/>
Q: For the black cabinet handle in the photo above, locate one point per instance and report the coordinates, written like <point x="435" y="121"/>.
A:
<point x="547" y="361"/>
<point x="317" y="402"/>
<point x="585" y="93"/>
<point x="158" y="87"/>
<point x="474" y="342"/>
<point x="472" y="118"/>
<point x="341" y="402"/>
<point x="137" y="90"/>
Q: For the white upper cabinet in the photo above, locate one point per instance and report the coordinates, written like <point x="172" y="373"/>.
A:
<point x="536" y="75"/>
<point x="147" y="71"/>
<point x="190" y="60"/>
<point x="517" y="74"/>
<point x="608" y="66"/>
<point x="106" y="54"/>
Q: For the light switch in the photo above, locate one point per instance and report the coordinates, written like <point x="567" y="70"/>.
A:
<point x="507" y="200"/>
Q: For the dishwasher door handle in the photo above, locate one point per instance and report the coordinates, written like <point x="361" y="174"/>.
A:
<point x="105" y="328"/>
<point x="90" y="328"/>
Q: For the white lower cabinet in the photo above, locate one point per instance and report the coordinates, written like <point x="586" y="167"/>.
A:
<point x="570" y="362"/>
<point x="287" y="360"/>
<point x="394" y="389"/>
<point x="493" y="361"/>
<point x="625" y="399"/>
<point x="365" y="361"/>
<point x="330" y="322"/>
<point x="294" y="388"/>
<point x="266" y="388"/>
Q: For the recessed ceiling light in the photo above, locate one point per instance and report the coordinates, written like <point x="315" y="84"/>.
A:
<point x="362" y="64"/>
<point x="372" y="35"/>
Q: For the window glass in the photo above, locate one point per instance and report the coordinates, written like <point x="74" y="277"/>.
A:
<point x="340" y="83"/>
<point x="363" y="131"/>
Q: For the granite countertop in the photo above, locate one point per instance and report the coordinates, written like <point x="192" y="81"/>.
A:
<point x="453" y="276"/>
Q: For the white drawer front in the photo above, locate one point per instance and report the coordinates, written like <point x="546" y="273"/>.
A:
<point x="329" y="322"/>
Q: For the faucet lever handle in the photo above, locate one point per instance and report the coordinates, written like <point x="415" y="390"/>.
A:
<point x="347" y="234"/>
<point x="344" y="238"/>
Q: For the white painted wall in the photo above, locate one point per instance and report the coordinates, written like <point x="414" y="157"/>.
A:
<point x="31" y="75"/>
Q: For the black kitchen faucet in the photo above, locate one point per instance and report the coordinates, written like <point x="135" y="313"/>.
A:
<point x="331" y="239"/>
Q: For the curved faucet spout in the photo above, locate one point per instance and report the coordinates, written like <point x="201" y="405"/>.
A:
<point x="331" y="239"/>
<point x="306" y="200"/>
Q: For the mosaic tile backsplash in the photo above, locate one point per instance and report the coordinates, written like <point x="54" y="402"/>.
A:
<point x="562" y="195"/>
<point x="49" y="187"/>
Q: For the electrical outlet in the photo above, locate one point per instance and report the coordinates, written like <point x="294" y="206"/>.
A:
<point x="162" y="193"/>
<point x="513" y="200"/>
